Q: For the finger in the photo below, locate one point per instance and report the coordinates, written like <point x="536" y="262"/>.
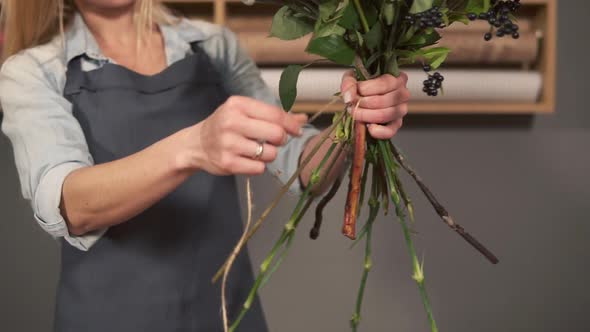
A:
<point x="404" y="77"/>
<point x="262" y="111"/>
<point x="248" y="148"/>
<point x="348" y="88"/>
<point x="384" y="115"/>
<point x="385" y="131"/>
<point x="259" y="130"/>
<point x="248" y="166"/>
<point x="393" y="98"/>
<point x="302" y="118"/>
<point x="380" y="85"/>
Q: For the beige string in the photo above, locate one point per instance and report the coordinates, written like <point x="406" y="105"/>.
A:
<point x="235" y="253"/>
<point x="240" y="244"/>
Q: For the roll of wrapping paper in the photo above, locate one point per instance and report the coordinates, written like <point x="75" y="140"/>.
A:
<point x="262" y="23"/>
<point x="459" y="85"/>
<point x="266" y="50"/>
<point x="471" y="48"/>
<point x="481" y="26"/>
<point x="467" y="48"/>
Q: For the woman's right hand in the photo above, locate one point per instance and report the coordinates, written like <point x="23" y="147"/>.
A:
<point x="226" y="142"/>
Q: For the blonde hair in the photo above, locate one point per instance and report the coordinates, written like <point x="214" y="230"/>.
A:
<point x="30" y="23"/>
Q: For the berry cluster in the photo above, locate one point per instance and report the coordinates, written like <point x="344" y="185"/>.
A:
<point x="432" y="18"/>
<point x="498" y="17"/>
<point x="433" y="83"/>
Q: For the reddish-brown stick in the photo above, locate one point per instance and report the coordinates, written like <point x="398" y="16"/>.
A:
<point x="354" y="188"/>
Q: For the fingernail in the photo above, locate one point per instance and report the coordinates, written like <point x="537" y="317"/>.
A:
<point x="349" y="109"/>
<point x="347" y="97"/>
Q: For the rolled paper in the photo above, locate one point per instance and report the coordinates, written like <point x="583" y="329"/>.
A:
<point x="467" y="48"/>
<point x="459" y="85"/>
<point x="471" y="48"/>
<point x="482" y="26"/>
<point x="263" y="23"/>
<point x="266" y="50"/>
<point x="259" y="23"/>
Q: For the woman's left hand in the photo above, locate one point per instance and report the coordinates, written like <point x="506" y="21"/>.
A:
<point x="383" y="102"/>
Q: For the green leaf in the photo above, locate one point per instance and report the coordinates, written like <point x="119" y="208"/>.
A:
<point x="436" y="56"/>
<point x="477" y="6"/>
<point x="374" y="37"/>
<point x="332" y="47"/>
<point x="457" y="5"/>
<point x="420" y="6"/>
<point x="288" y="85"/>
<point x="371" y="12"/>
<point x="408" y="57"/>
<point x="422" y="39"/>
<point x="458" y="17"/>
<point x="408" y="34"/>
<point x="288" y="26"/>
<point x="328" y="8"/>
<point x="350" y="18"/>
<point x="327" y="29"/>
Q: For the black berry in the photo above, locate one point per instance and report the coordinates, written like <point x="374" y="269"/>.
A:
<point x="433" y="84"/>
<point x="498" y="16"/>
<point x="432" y="18"/>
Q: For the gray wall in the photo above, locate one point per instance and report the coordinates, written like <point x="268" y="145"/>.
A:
<point x="519" y="183"/>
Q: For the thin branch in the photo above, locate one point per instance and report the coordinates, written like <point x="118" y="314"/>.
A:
<point x="440" y="209"/>
<point x="315" y="231"/>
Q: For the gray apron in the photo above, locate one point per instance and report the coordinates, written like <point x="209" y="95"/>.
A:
<point x="152" y="273"/>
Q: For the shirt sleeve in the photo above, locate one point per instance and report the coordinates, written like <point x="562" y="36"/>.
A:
<point x="47" y="141"/>
<point x="243" y="78"/>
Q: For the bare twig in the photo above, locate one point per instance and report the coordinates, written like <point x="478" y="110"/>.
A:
<point x="315" y="231"/>
<point x="440" y="210"/>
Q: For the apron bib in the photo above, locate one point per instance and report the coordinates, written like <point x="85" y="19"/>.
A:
<point x="152" y="273"/>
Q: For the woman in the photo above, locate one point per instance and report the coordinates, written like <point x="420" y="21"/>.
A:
<point x="128" y="127"/>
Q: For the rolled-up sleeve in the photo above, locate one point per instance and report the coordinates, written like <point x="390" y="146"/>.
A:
<point x="243" y="78"/>
<point x="47" y="141"/>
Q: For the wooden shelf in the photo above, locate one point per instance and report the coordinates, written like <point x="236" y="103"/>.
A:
<point x="544" y="14"/>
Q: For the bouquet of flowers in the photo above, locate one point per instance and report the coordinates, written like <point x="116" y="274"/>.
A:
<point x="374" y="37"/>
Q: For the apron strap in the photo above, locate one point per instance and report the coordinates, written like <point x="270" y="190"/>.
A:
<point x="74" y="77"/>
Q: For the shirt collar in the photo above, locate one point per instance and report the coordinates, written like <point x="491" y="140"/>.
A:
<point x="79" y="41"/>
<point x="177" y="39"/>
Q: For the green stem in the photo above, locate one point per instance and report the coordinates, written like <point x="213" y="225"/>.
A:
<point x="286" y="236"/>
<point x="289" y="242"/>
<point x="393" y="66"/>
<point x="361" y="12"/>
<point x="389" y="169"/>
<point x="367" y="264"/>
<point x="406" y="199"/>
<point x="418" y="275"/>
